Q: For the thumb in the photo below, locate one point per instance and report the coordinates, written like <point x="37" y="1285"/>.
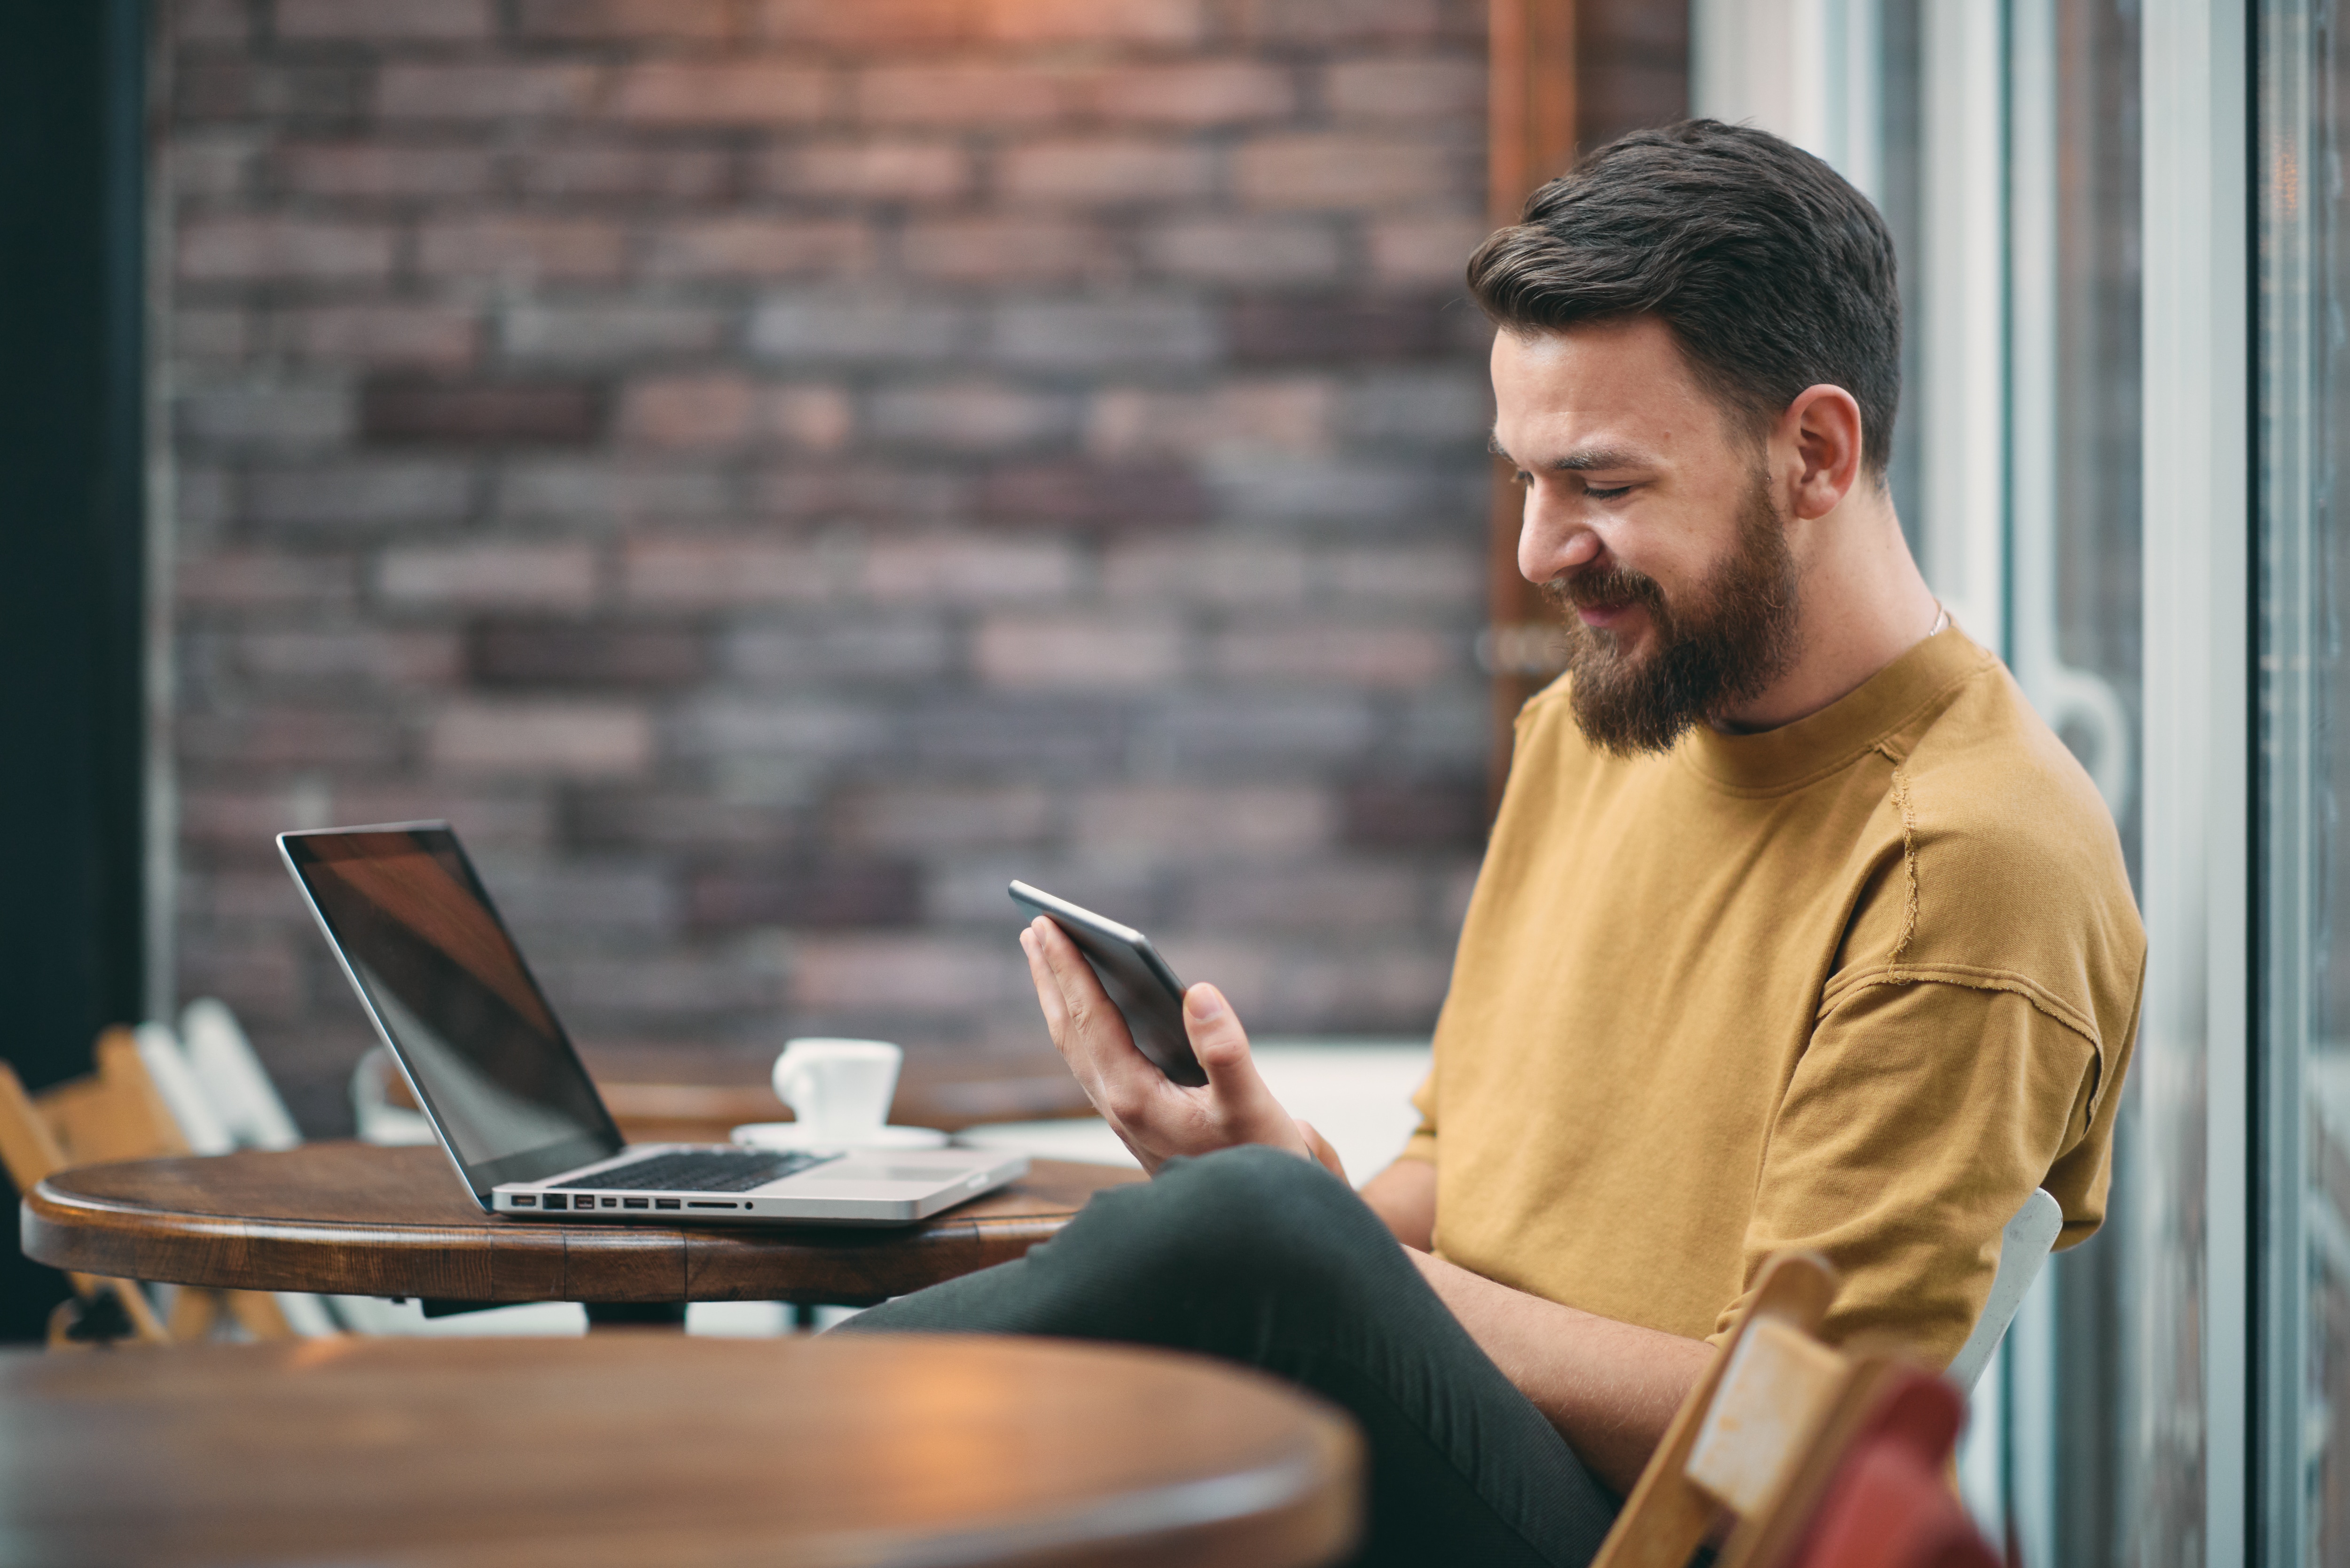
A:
<point x="1222" y="1045"/>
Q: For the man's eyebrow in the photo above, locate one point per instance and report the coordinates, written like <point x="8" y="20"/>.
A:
<point x="1581" y="459"/>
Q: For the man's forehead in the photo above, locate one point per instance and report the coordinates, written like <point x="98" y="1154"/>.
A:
<point x="1598" y="395"/>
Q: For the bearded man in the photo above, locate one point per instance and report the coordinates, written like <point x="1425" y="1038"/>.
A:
<point x="1797" y="928"/>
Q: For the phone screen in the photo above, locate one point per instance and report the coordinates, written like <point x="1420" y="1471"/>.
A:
<point x="1139" y="982"/>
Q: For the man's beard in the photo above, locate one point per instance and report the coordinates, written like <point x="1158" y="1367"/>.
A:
<point x="1731" y="637"/>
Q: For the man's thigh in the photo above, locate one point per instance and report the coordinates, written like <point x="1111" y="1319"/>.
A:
<point x="1262" y="1258"/>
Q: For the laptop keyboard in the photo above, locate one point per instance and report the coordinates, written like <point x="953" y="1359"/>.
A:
<point x="700" y="1170"/>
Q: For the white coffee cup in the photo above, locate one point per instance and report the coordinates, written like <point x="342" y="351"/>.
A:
<point x="838" y="1088"/>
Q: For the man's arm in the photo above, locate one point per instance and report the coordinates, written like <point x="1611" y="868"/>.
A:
<point x="1404" y="1196"/>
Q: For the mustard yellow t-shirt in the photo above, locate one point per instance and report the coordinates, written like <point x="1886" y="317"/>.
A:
<point x="1858" y="984"/>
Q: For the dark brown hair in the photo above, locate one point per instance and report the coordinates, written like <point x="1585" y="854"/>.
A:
<point x="1773" y="273"/>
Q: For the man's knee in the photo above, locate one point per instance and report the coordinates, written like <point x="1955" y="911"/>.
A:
<point x="1265" y="1208"/>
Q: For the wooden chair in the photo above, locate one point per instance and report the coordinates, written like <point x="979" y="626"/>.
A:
<point x="1876" y="1497"/>
<point x="115" y="1113"/>
<point x="1747" y="1443"/>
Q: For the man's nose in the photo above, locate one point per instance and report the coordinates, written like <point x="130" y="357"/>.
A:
<point x="1552" y="542"/>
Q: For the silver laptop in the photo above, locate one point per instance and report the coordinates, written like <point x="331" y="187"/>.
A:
<point x="481" y="1048"/>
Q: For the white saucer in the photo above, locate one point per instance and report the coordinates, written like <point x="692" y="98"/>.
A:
<point x="799" y="1134"/>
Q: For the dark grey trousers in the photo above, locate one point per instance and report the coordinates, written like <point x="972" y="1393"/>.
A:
<point x="1261" y="1258"/>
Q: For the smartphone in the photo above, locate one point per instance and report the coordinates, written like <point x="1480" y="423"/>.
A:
<point x="1137" y="980"/>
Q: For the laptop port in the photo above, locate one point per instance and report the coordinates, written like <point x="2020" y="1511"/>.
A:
<point x="611" y="1203"/>
<point x="526" y="1201"/>
<point x="664" y="1202"/>
<point x="557" y="1200"/>
<point x="634" y="1203"/>
<point x="703" y="1203"/>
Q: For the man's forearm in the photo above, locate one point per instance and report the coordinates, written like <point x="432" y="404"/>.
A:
<point x="1609" y="1387"/>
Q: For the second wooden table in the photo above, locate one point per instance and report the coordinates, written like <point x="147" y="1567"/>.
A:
<point x="350" y="1218"/>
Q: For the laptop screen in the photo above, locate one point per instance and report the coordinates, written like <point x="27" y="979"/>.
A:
<point x="452" y="996"/>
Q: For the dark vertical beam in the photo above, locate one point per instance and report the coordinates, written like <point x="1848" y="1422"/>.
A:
<point x="72" y="545"/>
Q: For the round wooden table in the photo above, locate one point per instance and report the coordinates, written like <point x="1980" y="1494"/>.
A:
<point x="351" y="1219"/>
<point x="643" y="1449"/>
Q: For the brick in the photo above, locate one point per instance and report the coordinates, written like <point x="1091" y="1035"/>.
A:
<point x="678" y="173"/>
<point x="1094" y="494"/>
<point x="1407" y="87"/>
<point x="1415" y="814"/>
<point x="259" y="249"/>
<point x="898" y="492"/>
<point x="506" y="653"/>
<point x="1103" y="170"/>
<point x="961" y="94"/>
<point x="1325" y="898"/>
<point x="1031" y="652"/>
<point x="407" y="661"/>
<point x="520" y="247"/>
<point x="918" y="975"/>
<point x="1203" y="822"/>
<point x="1320" y="22"/>
<point x="1173" y="22"/>
<point x="583" y="20"/>
<point x="262" y="578"/>
<point x="1452" y="575"/>
<point x="1327" y="170"/>
<point x="872" y="329"/>
<point x="544" y="576"/>
<point x="1343" y="653"/>
<point x="372" y="168"/>
<point x="578" y="490"/>
<point x="284" y="736"/>
<point x="823" y="896"/>
<point x="759" y="247"/>
<point x="970" y="416"/>
<point x="441" y="21"/>
<point x="805" y="731"/>
<point x="210" y="21"/>
<point x="1273" y="330"/>
<point x="1230" y="572"/>
<point x="917" y="817"/>
<point x="295" y="414"/>
<point x="896" y="24"/>
<point x="197" y="336"/>
<point x="1275" y="733"/>
<point x="868" y="170"/>
<point x="564" y="740"/>
<point x="1197" y="93"/>
<point x="609" y="331"/>
<point x="1449" y="407"/>
<point x="1055" y="734"/>
<point x="812" y="417"/>
<point x="808" y="649"/>
<point x="1235" y="417"/>
<point x="1362" y="492"/>
<point x="258" y="976"/>
<point x="611" y="817"/>
<point x="967" y="569"/>
<point x="505" y="91"/>
<point x="1092" y="334"/>
<point x="437" y="335"/>
<point x="481" y="413"/>
<point x="1442" y="730"/>
<point x="243" y="89"/>
<point x="215" y="166"/>
<point x="688" y="411"/>
<point x="994" y="249"/>
<point x="359" y="494"/>
<point x="1423" y="250"/>
<point x="1245" y="250"/>
<point x="688" y="572"/>
<point x="728" y="93"/>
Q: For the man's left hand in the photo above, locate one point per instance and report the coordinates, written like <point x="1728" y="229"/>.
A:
<point x="1155" y="1117"/>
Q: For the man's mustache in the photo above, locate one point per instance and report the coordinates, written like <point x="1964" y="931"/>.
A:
<point x="1608" y="586"/>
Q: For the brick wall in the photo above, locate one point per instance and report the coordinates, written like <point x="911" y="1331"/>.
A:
<point x="770" y="470"/>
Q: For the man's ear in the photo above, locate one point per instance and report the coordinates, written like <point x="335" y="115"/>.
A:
<point x="1822" y="428"/>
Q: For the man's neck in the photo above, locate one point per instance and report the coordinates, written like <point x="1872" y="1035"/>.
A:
<point x="1864" y="605"/>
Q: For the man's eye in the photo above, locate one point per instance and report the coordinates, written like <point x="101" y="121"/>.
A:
<point x="1606" y="493"/>
<point x="1525" y="479"/>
